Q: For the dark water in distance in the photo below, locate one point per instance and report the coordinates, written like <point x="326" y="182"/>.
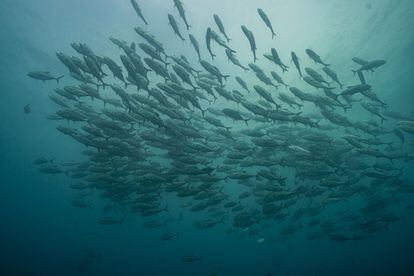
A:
<point x="41" y="233"/>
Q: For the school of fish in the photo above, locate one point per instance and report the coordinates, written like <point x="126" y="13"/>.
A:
<point x="258" y="157"/>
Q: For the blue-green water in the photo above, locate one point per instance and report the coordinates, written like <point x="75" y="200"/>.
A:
<point x="42" y="233"/>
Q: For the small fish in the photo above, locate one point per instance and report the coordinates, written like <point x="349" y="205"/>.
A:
<point x="174" y="25"/>
<point x="180" y="7"/>
<point x="266" y="20"/>
<point x="191" y="258"/>
<point x="252" y="41"/>
<point x="221" y="27"/>
<point x="208" y="42"/>
<point x="42" y="160"/>
<point x="315" y="57"/>
<point x="43" y="76"/>
<point x="27" y="109"/>
<point x="295" y="61"/>
<point x="138" y="11"/>
<point x="260" y="240"/>
<point x="194" y="42"/>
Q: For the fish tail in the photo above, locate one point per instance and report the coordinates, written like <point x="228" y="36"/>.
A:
<point x="58" y="78"/>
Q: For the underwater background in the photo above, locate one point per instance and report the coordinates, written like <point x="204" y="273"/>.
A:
<point x="41" y="233"/>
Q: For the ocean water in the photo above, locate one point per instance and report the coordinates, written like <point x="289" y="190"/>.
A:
<point x="42" y="233"/>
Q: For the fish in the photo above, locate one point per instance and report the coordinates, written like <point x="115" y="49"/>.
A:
<point x="295" y="61"/>
<point x="208" y="42"/>
<point x="250" y="37"/>
<point x="43" y="76"/>
<point x="234" y="60"/>
<point x="50" y="169"/>
<point x="370" y="66"/>
<point x="174" y="26"/>
<point x="194" y="42"/>
<point x="234" y="114"/>
<point x="191" y="258"/>
<point x="242" y="83"/>
<point x="221" y="27"/>
<point x="180" y="7"/>
<point x="333" y="75"/>
<point x="43" y="160"/>
<point x="274" y="57"/>
<point x="315" y="75"/>
<point x="168" y="236"/>
<point x="27" y="109"/>
<point x="315" y="57"/>
<point x="138" y="11"/>
<point x="266" y="20"/>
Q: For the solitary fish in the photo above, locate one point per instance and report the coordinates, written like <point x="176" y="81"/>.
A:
<point x="27" y="109"/>
<point x="43" y="76"/>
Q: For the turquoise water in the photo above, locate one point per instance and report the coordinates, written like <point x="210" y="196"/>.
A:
<point x="43" y="233"/>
